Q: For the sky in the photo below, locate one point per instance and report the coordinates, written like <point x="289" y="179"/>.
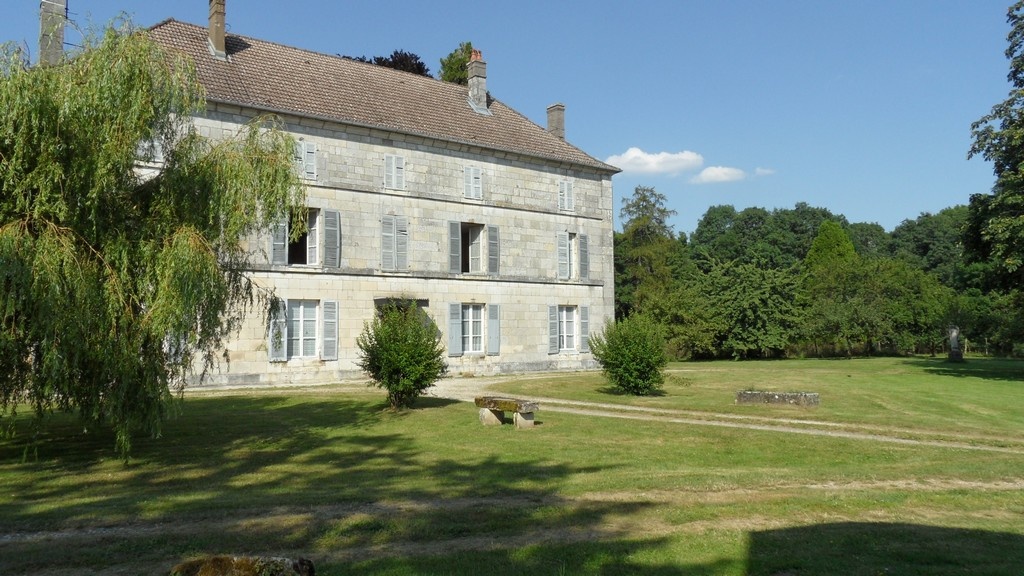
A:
<point x="862" y="107"/>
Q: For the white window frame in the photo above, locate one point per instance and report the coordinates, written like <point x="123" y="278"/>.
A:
<point x="472" y="328"/>
<point x="305" y="159"/>
<point x="304" y="315"/>
<point x="567" y="324"/>
<point x="473" y="181"/>
<point x="394" y="172"/>
<point x="566" y="201"/>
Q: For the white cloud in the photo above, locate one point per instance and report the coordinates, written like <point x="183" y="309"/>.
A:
<point x="763" y="172"/>
<point x="715" y="174"/>
<point x="636" y="160"/>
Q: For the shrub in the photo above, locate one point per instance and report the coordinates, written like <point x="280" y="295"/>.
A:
<point x="632" y="354"/>
<point x="401" y="351"/>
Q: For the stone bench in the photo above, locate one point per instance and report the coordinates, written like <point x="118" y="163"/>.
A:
<point x="763" y="397"/>
<point x="493" y="408"/>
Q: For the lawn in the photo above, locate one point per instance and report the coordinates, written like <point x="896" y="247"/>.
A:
<point x="933" y="483"/>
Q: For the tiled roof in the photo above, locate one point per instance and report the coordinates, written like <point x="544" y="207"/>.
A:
<point x="273" y="77"/>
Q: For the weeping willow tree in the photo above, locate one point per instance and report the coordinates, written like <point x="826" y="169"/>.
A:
<point x="118" y="285"/>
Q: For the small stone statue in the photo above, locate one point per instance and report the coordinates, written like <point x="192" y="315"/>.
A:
<point x="955" y="354"/>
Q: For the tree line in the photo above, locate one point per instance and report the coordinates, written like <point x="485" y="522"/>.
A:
<point x="803" y="281"/>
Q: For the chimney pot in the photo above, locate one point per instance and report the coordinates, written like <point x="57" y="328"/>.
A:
<point x="556" y="120"/>
<point x="217" y="39"/>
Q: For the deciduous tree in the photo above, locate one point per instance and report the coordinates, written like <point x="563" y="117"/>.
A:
<point x="115" y="283"/>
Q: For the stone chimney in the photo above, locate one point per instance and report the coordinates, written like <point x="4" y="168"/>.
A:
<point x="217" y="43"/>
<point x="52" y="16"/>
<point x="477" y="72"/>
<point x="556" y="120"/>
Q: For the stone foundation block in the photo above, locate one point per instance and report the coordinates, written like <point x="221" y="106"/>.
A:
<point x="489" y="417"/>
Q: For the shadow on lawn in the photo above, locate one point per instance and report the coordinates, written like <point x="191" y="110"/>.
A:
<point x="337" y="479"/>
<point x="855" y="548"/>
<point x="986" y="368"/>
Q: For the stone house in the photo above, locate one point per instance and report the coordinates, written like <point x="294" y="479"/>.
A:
<point x="498" y="228"/>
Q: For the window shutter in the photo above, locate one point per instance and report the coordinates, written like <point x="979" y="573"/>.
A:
<point x="312" y="236"/>
<point x="493" y="250"/>
<point x="400" y="172"/>
<point x="493" y="329"/>
<point x="584" y="257"/>
<point x="570" y="203"/>
<point x="454" y="247"/>
<point x="473" y="182"/>
<point x="389" y="171"/>
<point x="329" y="349"/>
<point x="401" y="243"/>
<point x="552" y="329"/>
<point x="387" y="242"/>
<point x="279" y="243"/>
<point x="561" y="194"/>
<point x="332" y="238"/>
<point x="309" y="160"/>
<point x="563" y="255"/>
<point x="584" y="328"/>
<point x="455" y="329"/>
<point x="277" y="336"/>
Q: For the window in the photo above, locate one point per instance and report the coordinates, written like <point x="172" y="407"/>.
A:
<point x="304" y="329"/>
<point x="568" y="329"/>
<point x="394" y="243"/>
<point x="320" y="244"/>
<point x="465" y="248"/>
<point x="394" y="172"/>
<point x="474" y="185"/>
<point x="565" y="199"/>
<point x="472" y="328"/>
<point x="305" y="159"/>
<point x="467" y="332"/>
<point x="573" y="255"/>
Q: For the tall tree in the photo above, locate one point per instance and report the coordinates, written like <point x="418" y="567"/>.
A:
<point x="454" y="65"/>
<point x="998" y="218"/>
<point x="642" y="250"/>
<point x="114" y="285"/>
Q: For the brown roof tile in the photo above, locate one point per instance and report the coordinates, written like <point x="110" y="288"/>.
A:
<point x="278" y="78"/>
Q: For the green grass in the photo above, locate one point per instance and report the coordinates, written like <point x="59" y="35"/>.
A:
<point x="333" y="475"/>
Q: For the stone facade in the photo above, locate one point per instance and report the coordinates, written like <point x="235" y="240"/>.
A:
<point x="518" y="195"/>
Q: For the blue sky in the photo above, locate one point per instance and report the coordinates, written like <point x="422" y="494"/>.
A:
<point x="860" y="107"/>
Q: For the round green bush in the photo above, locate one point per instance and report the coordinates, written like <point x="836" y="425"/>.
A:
<point x="632" y="354"/>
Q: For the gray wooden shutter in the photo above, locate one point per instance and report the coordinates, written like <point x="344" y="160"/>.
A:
<point x="552" y="329"/>
<point x="493" y="329"/>
<point x="474" y="183"/>
<point x="399" y="173"/>
<point x="277" y="335"/>
<point x="584" y="257"/>
<point x="454" y="247"/>
<point x="387" y="242"/>
<point x="401" y="243"/>
<point x="279" y="243"/>
<point x="584" y="328"/>
<point x="493" y="250"/>
<point x="570" y="203"/>
<point x="309" y="160"/>
<point x="330" y="330"/>
<point x="332" y="238"/>
<point x="389" y="171"/>
<point x="455" y="329"/>
<point x="563" y="255"/>
<point x="561" y="194"/>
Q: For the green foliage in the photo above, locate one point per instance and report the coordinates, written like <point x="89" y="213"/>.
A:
<point x="632" y="354"/>
<point x="115" y="285"/>
<point x="997" y="229"/>
<point x="643" y="251"/>
<point x="401" y="351"/>
<point x="756" y="306"/>
<point x="398" y="60"/>
<point x="454" y="66"/>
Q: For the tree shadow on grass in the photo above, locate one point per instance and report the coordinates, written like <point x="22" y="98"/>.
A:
<point x="986" y="368"/>
<point x="296" y="476"/>
<point x="857" y="548"/>
<point x="613" y="391"/>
